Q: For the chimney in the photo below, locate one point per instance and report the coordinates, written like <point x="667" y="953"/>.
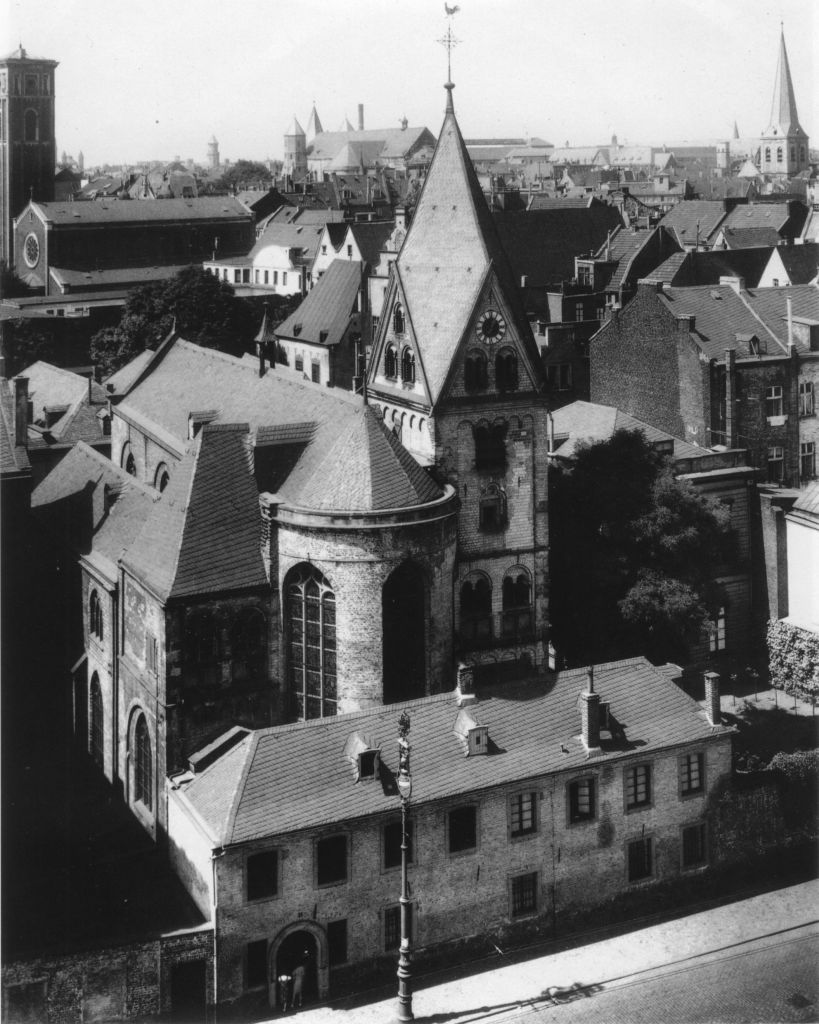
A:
<point x="731" y="397"/>
<point x="361" y="117"/>
<point x="465" y="688"/>
<point x="685" y="323"/>
<point x="590" y="716"/>
<point x="21" y="412"/>
<point x="735" y="283"/>
<point x="712" y="704"/>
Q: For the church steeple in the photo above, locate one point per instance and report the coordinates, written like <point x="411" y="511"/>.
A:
<point x="784" y="144"/>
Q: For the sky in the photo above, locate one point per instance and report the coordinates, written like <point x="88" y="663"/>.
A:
<point x="156" y="79"/>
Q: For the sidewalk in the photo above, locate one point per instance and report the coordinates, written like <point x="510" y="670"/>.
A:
<point x="497" y="994"/>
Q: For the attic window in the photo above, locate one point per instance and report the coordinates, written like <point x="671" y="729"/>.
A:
<point x="296" y="330"/>
<point x="368" y="764"/>
<point x="716" y="295"/>
<point x="364" y="757"/>
<point x="473" y="736"/>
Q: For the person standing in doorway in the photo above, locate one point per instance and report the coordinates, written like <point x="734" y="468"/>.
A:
<point x="298" y="981"/>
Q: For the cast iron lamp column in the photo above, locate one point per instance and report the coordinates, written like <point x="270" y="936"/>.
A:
<point x="404" y="783"/>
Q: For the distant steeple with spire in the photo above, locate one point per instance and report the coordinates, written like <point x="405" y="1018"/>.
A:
<point x="314" y="127"/>
<point x="784" y="144"/>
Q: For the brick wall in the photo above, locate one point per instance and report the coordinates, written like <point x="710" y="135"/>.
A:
<point x="128" y="982"/>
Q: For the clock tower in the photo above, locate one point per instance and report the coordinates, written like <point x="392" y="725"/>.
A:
<point x="28" y="148"/>
<point x="456" y="374"/>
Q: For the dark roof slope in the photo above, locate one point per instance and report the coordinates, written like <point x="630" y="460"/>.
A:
<point x="261" y="788"/>
<point x="694" y="219"/>
<point x="542" y="244"/>
<point x="122" y="212"/>
<point x="324" y="314"/>
<point x="204" y="534"/>
<point x="706" y="268"/>
<point x="370" y="237"/>
<point x="800" y="261"/>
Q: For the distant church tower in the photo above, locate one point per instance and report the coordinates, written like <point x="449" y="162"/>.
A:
<point x="213" y="153"/>
<point x="314" y="127"/>
<point x="783" y="144"/>
<point x="28" y="150"/>
<point x="295" y="150"/>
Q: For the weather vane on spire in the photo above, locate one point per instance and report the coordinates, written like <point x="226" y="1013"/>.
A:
<point x="449" y="39"/>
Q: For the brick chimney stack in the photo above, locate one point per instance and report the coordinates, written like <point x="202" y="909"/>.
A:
<point x="712" y="703"/>
<point x="590" y="716"/>
<point x="21" y="412"/>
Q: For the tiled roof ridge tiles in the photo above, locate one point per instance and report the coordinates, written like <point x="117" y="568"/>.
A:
<point x="251" y="745"/>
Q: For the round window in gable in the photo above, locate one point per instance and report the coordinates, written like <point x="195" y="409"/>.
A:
<point x="31" y="250"/>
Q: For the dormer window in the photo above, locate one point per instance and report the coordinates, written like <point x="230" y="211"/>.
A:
<point x="364" y="756"/>
<point x="472" y="735"/>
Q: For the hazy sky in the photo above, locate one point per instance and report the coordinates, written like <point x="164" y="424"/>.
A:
<point x="155" y="79"/>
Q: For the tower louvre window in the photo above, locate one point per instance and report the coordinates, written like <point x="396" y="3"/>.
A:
<point x="506" y="370"/>
<point x="408" y="366"/>
<point x="475" y="371"/>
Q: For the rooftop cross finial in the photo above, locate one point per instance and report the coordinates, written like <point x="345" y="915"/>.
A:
<point x="449" y="41"/>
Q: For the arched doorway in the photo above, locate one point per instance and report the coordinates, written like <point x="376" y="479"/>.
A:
<point x="293" y="947"/>
<point x="403" y="622"/>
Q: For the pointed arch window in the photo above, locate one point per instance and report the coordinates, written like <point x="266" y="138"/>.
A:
<point x="398" y="323"/>
<point x="475" y="370"/>
<point x="506" y="370"/>
<point x="779" y="154"/>
<point x="391" y="362"/>
<point x="143" y="765"/>
<point x="476" y="610"/>
<point x="767" y="154"/>
<point x="97" y="728"/>
<point x="311" y="643"/>
<point x="128" y="461"/>
<point x="793" y="154"/>
<point x="490" y="446"/>
<point x="96" y="625"/>
<point x="517" y="604"/>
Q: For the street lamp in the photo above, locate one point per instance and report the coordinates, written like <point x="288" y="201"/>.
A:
<point x="404" y="783"/>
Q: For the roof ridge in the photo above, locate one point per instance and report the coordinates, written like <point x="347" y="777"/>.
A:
<point x="252" y="742"/>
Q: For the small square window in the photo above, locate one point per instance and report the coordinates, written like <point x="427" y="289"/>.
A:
<point x="262" y="875"/>
<point x="392" y="926"/>
<point x="638" y="786"/>
<point x="523" y="814"/>
<point x="392" y="834"/>
<point x="331" y="860"/>
<point x="640" y="859"/>
<point x="256" y="963"/>
<point x="463" y="829"/>
<point x="581" y="801"/>
<point x="524" y="894"/>
<point x="337" y="942"/>
<point x="692" y="774"/>
<point x="693" y="846"/>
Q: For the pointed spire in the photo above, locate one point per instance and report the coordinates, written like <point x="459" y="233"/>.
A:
<point x="736" y="130"/>
<point x="314" y="127"/>
<point x="295" y="128"/>
<point x="783" y="108"/>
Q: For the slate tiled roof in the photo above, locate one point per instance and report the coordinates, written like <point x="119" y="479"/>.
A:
<point x="808" y="500"/>
<point x="800" y="261"/>
<point x="119" y="382"/>
<point x="370" y="238"/>
<point x="541" y="244"/>
<point x="624" y="247"/>
<point x="392" y="142"/>
<point x="705" y="268"/>
<point x="328" y="307"/>
<point x="126" y="212"/>
<point x="450" y="247"/>
<point x="50" y="387"/>
<point x="203" y="536"/>
<point x="684" y="219"/>
<point x="263" y="786"/>
<point x="91" y="503"/>
<point x="745" y="238"/>
<point x="589" y="421"/>
<point x="346" y="464"/>
<point x="721" y="315"/>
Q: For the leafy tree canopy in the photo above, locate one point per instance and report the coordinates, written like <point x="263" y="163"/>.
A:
<point x="632" y="554"/>
<point x="206" y="310"/>
<point x="25" y="342"/>
<point x="244" y="174"/>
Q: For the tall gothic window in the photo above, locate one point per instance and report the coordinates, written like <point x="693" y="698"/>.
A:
<point x="143" y="765"/>
<point x="96" y="725"/>
<point x="311" y="643"/>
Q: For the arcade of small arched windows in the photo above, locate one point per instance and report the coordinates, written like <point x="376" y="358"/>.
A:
<point x="517" y="621"/>
<point x="310" y="627"/>
<point x="228" y="647"/>
<point x="476" y="610"/>
<point x="407" y="427"/>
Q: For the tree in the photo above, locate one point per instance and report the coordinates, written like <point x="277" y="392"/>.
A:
<point x="25" y="342"/>
<point x="245" y="174"/>
<point x="205" y="309"/>
<point x="632" y="554"/>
